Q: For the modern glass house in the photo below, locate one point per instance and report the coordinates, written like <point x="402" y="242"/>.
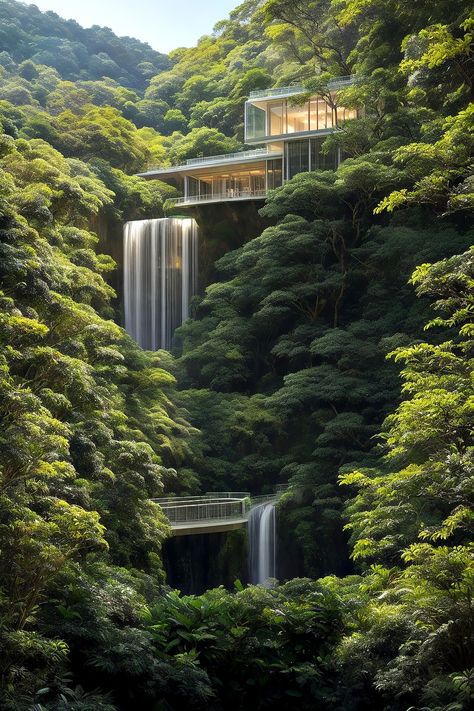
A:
<point x="292" y="134"/>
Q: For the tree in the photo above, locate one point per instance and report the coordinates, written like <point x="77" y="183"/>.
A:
<point x="201" y="142"/>
<point x="311" y="31"/>
<point x="412" y="515"/>
<point x="74" y="471"/>
<point x="428" y="496"/>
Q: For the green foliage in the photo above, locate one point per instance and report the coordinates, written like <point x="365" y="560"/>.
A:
<point x="420" y="496"/>
<point x="89" y="426"/>
<point x="312" y="33"/>
<point x="299" y="329"/>
<point x="429" y="495"/>
<point x="282" y="371"/>
<point x="201" y="142"/>
<point x="286" y="633"/>
<point x="31" y="37"/>
<point x="441" y="170"/>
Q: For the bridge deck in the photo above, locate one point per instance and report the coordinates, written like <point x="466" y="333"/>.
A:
<point x="212" y="513"/>
<point x="211" y="526"/>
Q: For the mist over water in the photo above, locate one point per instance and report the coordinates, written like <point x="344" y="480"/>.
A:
<point x="160" y="278"/>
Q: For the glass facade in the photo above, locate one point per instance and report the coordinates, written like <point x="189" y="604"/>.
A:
<point x="248" y="182"/>
<point x="282" y="117"/>
<point x="320" y="160"/>
<point x="297" y="118"/>
<point x="255" y="121"/>
<point x="305" y="155"/>
<point x="276" y="123"/>
<point x="344" y="114"/>
<point x="301" y="155"/>
<point x="274" y="173"/>
<point x="297" y="158"/>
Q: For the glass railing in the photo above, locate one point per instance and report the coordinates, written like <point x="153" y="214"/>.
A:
<point x="256" y="153"/>
<point x="277" y="91"/>
<point x="298" y="88"/>
<point x="231" y="194"/>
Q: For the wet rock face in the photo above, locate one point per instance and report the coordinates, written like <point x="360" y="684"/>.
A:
<point x="195" y="564"/>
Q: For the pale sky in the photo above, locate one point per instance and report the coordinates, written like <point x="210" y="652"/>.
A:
<point x="164" y="24"/>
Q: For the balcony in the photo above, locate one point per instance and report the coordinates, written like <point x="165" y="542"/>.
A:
<point x="230" y="195"/>
<point x="238" y="157"/>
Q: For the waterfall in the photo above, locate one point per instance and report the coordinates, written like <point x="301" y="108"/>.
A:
<point x="160" y="277"/>
<point x="262" y="543"/>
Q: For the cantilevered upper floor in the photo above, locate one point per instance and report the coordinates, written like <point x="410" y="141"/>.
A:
<point x="292" y="131"/>
<point x="276" y="114"/>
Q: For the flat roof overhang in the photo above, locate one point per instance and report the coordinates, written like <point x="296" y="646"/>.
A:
<point x="204" y="167"/>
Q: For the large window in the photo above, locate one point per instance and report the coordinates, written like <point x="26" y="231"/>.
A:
<point x="276" y="113"/>
<point x="203" y="188"/>
<point x="255" y="122"/>
<point x="297" y="157"/>
<point x="274" y="174"/>
<point x="344" y="114"/>
<point x="297" y="118"/>
<point x="306" y="155"/>
<point x="281" y="117"/>
<point x="242" y="183"/>
<point x="320" y="160"/>
<point x="321" y="114"/>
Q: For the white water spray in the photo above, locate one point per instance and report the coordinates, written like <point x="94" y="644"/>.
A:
<point x="160" y="278"/>
<point x="262" y="543"/>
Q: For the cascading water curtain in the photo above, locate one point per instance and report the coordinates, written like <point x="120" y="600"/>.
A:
<point x="262" y="544"/>
<point x="160" y="278"/>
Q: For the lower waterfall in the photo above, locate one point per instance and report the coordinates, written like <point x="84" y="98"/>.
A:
<point x="262" y="543"/>
<point x="160" y="278"/>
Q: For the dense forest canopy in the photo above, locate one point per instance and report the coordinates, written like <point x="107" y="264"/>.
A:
<point x="74" y="52"/>
<point x="333" y="353"/>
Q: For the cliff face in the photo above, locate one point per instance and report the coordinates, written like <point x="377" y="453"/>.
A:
<point x="222" y="228"/>
<point x="194" y="564"/>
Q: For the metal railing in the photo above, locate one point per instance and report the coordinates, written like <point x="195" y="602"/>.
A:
<point x="209" y="511"/>
<point x="215" y="507"/>
<point x="219" y="197"/>
<point x="298" y="88"/>
<point x="206" y="509"/>
<point x="231" y="494"/>
<point x="175" y="499"/>
<point x="256" y="153"/>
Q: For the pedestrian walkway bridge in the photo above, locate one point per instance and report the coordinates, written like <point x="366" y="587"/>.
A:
<point x="215" y="512"/>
